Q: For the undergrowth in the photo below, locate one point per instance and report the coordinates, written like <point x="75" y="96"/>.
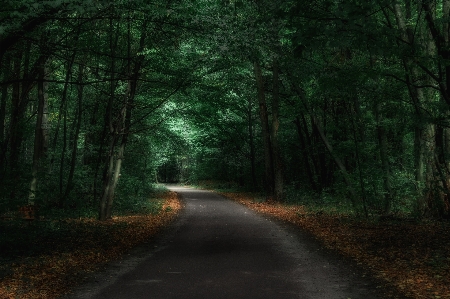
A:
<point x="46" y="258"/>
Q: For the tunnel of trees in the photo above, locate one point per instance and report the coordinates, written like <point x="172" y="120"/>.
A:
<point x="342" y="99"/>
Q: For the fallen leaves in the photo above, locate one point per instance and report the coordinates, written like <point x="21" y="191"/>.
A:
<point x="414" y="258"/>
<point x="90" y="245"/>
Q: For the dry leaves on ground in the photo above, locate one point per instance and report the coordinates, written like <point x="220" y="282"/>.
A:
<point x="412" y="257"/>
<point x="91" y="244"/>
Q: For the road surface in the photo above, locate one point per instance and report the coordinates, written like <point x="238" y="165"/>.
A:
<point x="220" y="249"/>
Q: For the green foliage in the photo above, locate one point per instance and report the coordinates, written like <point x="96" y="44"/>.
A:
<point x="174" y="81"/>
<point x="327" y="201"/>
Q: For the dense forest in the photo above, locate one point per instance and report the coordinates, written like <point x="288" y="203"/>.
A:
<point x="345" y="101"/>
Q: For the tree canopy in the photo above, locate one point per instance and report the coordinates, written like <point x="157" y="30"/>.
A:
<point x="341" y="99"/>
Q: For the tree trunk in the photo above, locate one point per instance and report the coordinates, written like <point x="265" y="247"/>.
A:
<point x="20" y="101"/>
<point x="306" y="155"/>
<point x="446" y="131"/>
<point x="438" y="42"/>
<point x="265" y="131"/>
<point x="316" y="124"/>
<point x="4" y="98"/>
<point x="16" y="119"/>
<point x="277" y="163"/>
<point x="109" y="125"/>
<point x="40" y="135"/>
<point x="107" y="177"/>
<point x="122" y="126"/>
<point x="125" y="115"/>
<point x="358" y="156"/>
<point x="115" y="178"/>
<point x="337" y="160"/>
<point x="62" y="106"/>
<point x="252" y="143"/>
<point x="424" y="129"/>
<point x="109" y="167"/>
<point x="73" y="160"/>
<point x="382" y="145"/>
<point x="63" y="156"/>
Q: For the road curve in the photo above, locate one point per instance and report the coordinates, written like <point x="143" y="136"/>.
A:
<point x="220" y="249"/>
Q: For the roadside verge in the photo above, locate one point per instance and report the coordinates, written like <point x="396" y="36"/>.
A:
<point x="85" y="246"/>
<point x="414" y="258"/>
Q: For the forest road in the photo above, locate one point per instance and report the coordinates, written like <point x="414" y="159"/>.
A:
<point x="220" y="249"/>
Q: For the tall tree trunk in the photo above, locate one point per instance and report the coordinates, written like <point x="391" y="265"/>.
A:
<point x="358" y="156"/>
<point x="109" y="167"/>
<point x="123" y="126"/>
<point x="3" y="99"/>
<point x="306" y="155"/>
<point x="109" y="126"/>
<point x="62" y="106"/>
<point x="252" y="143"/>
<point x="277" y="163"/>
<point x="40" y="135"/>
<point x="63" y="156"/>
<point x="265" y="130"/>
<point x="73" y="160"/>
<point x="382" y="145"/>
<point x="424" y="129"/>
<point x="438" y="42"/>
<point x="16" y="120"/>
<point x="107" y="178"/>
<point x="115" y="177"/>
<point x="20" y="101"/>
<point x="317" y="125"/>
<point x="341" y="166"/>
<point x="445" y="165"/>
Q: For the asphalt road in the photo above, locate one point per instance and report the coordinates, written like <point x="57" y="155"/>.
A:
<point x="220" y="249"/>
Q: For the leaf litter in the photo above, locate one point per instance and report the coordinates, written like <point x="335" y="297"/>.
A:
<point x="414" y="258"/>
<point x="88" y="245"/>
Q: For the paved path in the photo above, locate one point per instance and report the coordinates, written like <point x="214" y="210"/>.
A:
<point x="220" y="249"/>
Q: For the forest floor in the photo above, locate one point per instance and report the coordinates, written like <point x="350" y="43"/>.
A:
<point x="48" y="265"/>
<point x="414" y="258"/>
